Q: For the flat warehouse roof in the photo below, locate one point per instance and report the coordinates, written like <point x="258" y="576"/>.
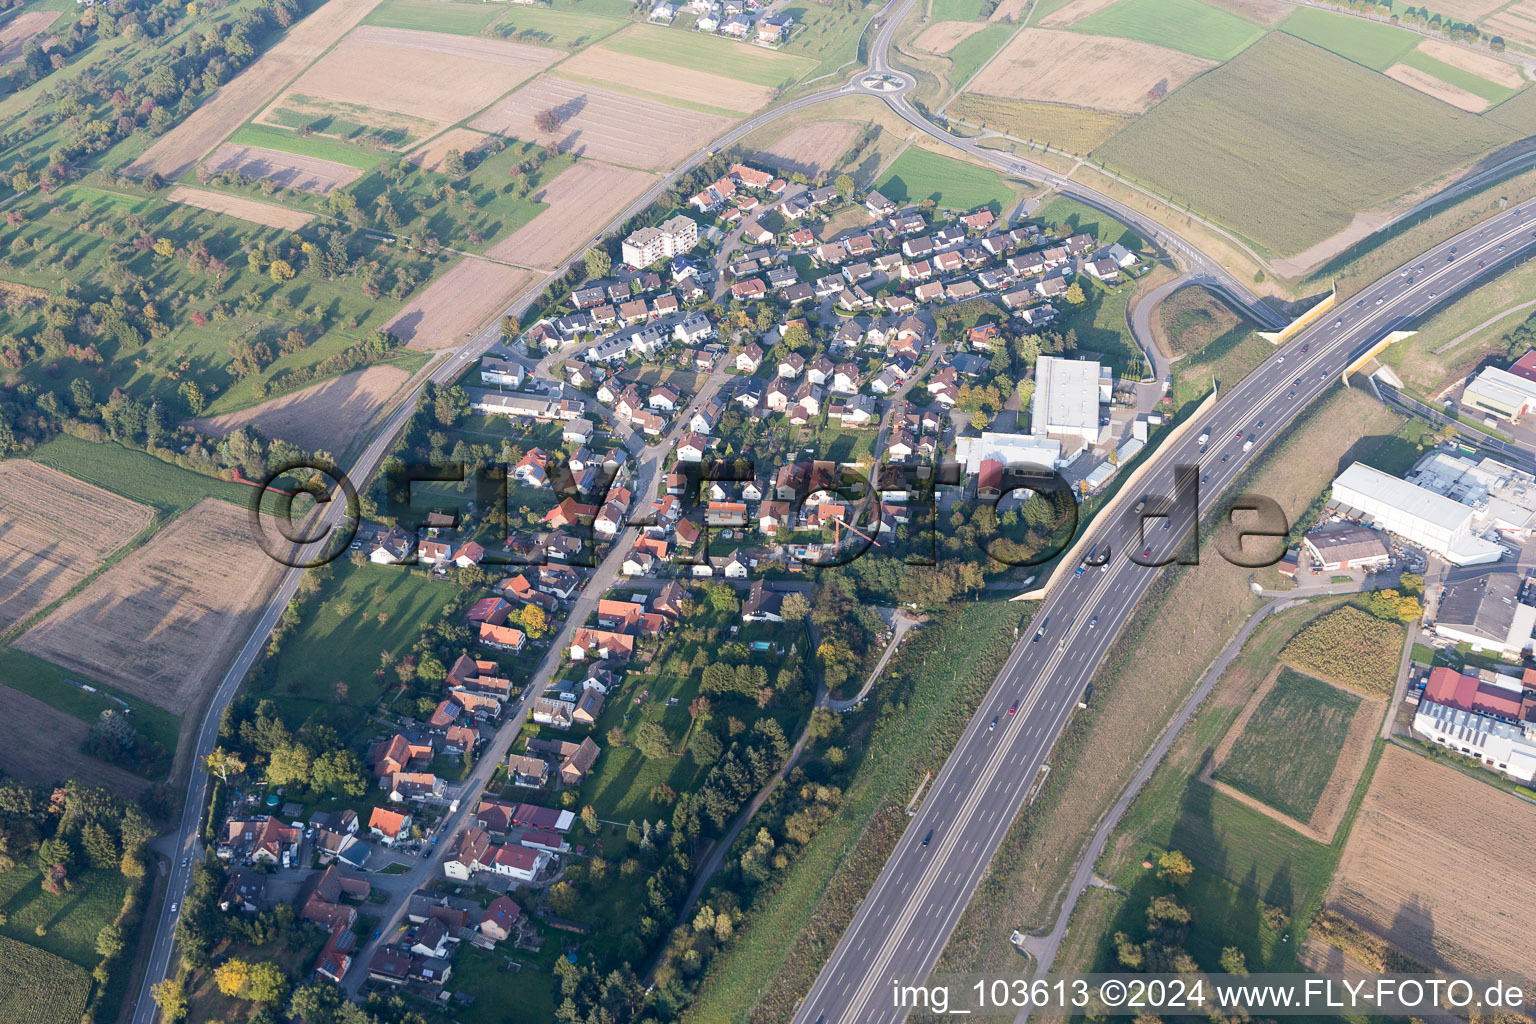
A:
<point x="1411" y="499"/>
<point x="1071" y="390"/>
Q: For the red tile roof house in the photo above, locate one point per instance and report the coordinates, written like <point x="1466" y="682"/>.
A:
<point x="389" y="965"/>
<point x="600" y="643"/>
<point x="505" y="638"/>
<point x="519" y="862"/>
<point x="389" y="825"/>
<point x="460" y="739"/>
<point x="493" y="610"/>
<point x="399" y="754"/>
<point x="444" y="715"/>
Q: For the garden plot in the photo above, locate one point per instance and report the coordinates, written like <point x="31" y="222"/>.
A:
<point x="321" y="417"/>
<point x="289" y="170"/>
<point x="812" y="149"/>
<point x="22" y="29"/>
<point x="1428" y="842"/>
<point x="254" y="210"/>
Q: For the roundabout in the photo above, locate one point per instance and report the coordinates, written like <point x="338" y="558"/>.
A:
<point x="887" y="83"/>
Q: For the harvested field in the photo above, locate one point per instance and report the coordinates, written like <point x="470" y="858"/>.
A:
<point x="1008" y="10"/>
<point x="1296" y="752"/>
<point x="1517" y="23"/>
<point x="1494" y="70"/>
<point x="163" y="623"/>
<point x="20" y="30"/>
<point x="1072" y="13"/>
<point x="1089" y="71"/>
<point x="941" y="36"/>
<point x="1429" y="85"/>
<point x="253" y="210"/>
<point x="321" y="417"/>
<point x="582" y="199"/>
<point x="1075" y="129"/>
<point x="470" y="293"/>
<point x="602" y="125"/>
<point x="237" y="100"/>
<point x="1468" y="10"/>
<point x="48" y="750"/>
<point x="430" y="78"/>
<point x="812" y="149"/>
<point x="305" y="173"/>
<point x="625" y="70"/>
<point x="54" y="532"/>
<point x="1317" y="119"/>
<point x="1442" y="866"/>
<point x="431" y="156"/>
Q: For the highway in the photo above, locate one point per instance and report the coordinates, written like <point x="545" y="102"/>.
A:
<point x="914" y="905"/>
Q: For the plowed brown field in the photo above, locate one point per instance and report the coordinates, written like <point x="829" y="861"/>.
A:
<point x="1442" y="866"/>
<point x="581" y="200"/>
<point x="601" y="124"/>
<point x="54" y="532"/>
<point x="163" y="623"/>
<point x="470" y="293"/>
<point x="321" y="417"/>
<point x="306" y="173"/>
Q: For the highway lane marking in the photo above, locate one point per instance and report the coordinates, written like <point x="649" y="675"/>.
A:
<point x="966" y="812"/>
<point x="1328" y="348"/>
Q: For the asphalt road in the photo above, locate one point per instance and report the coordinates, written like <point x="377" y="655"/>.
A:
<point x="914" y="905"/>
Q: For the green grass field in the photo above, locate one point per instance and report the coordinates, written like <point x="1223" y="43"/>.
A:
<point x="340" y="640"/>
<point x="317" y="146"/>
<point x="71" y="921"/>
<point x="434" y="16"/>
<point x="1192" y="319"/>
<point x="707" y="53"/>
<point x="975" y="50"/>
<point x="829" y="35"/>
<point x="565" y="30"/>
<point x="1477" y="85"/>
<point x="1370" y="43"/>
<point x="954" y="10"/>
<point x="918" y="174"/>
<point x="1074" y="129"/>
<point x="1062" y="212"/>
<point x="1283" y="143"/>
<point x="1186" y="25"/>
<point x="1286" y="752"/>
<point x="136" y="475"/>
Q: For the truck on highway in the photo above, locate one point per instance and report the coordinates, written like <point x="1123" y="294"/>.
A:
<point x="1248" y="444"/>
<point x="1205" y="435"/>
